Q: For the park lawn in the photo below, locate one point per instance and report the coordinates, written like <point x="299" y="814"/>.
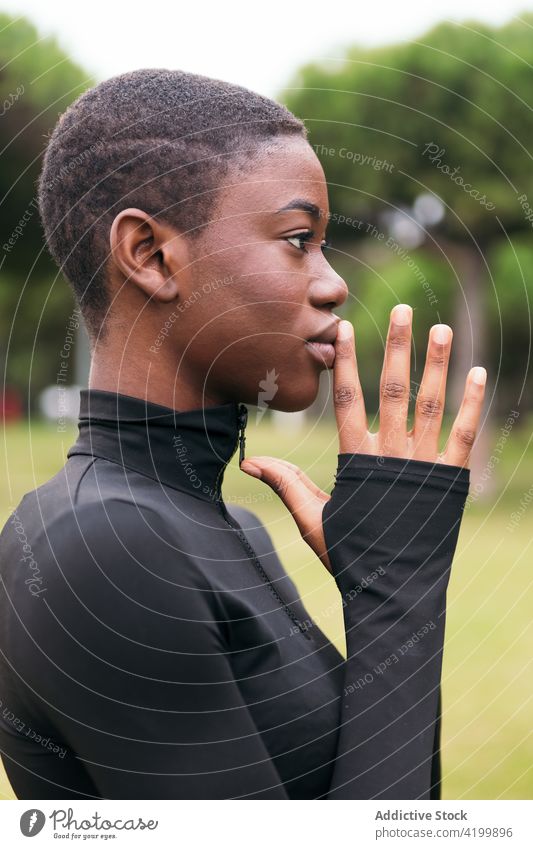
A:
<point x="487" y="741"/>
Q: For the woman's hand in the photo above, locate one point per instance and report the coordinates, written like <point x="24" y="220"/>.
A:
<point x="303" y="498"/>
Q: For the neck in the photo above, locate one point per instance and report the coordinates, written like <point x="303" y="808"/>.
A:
<point x="152" y="379"/>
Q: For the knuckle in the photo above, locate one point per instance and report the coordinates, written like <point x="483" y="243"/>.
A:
<point x="438" y="356"/>
<point x="344" y="349"/>
<point x="280" y="485"/>
<point x="345" y="395"/>
<point x="430" y="408"/>
<point x="465" y="436"/>
<point x="399" y="340"/>
<point x="393" y="390"/>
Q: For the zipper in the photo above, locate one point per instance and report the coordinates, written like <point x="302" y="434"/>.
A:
<point x="242" y="419"/>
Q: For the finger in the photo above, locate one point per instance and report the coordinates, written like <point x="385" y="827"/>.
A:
<point x="305" y="507"/>
<point x="261" y="461"/>
<point x="394" y="383"/>
<point x="464" y="428"/>
<point x="431" y="396"/>
<point x="347" y="393"/>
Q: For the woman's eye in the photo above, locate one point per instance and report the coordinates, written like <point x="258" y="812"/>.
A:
<point x="299" y="240"/>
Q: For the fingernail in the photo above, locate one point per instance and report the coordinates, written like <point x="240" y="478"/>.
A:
<point x="402" y="313"/>
<point x="250" y="469"/>
<point x="479" y="375"/>
<point x="441" y="333"/>
<point x="344" y="330"/>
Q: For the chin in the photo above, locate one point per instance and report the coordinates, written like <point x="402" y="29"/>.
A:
<point x="293" y="397"/>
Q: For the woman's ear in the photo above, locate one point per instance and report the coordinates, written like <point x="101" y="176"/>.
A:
<point x="148" y="253"/>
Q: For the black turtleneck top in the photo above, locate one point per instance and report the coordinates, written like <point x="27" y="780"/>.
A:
<point x="153" y="646"/>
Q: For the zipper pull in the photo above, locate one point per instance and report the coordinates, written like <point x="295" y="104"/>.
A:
<point x="242" y="418"/>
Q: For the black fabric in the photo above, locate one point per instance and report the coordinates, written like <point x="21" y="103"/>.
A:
<point x="153" y="646"/>
<point x="391" y="530"/>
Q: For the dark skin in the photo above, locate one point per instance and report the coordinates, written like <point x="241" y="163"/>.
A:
<point x="223" y="343"/>
<point x="241" y="301"/>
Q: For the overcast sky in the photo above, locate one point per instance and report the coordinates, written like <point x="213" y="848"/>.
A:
<point x="246" y="42"/>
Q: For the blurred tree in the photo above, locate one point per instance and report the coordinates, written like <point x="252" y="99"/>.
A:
<point x="427" y="144"/>
<point x="37" y="82"/>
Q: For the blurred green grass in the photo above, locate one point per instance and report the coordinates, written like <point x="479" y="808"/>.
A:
<point x="487" y="740"/>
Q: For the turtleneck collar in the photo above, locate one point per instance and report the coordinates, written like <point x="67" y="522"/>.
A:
<point x="186" y="450"/>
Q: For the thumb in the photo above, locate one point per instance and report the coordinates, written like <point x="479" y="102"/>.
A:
<point x="303" y="499"/>
<point x="284" y="478"/>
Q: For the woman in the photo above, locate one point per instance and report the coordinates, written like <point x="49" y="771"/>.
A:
<point x="152" y="644"/>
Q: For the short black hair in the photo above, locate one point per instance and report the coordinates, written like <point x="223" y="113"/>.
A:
<point x="156" y="139"/>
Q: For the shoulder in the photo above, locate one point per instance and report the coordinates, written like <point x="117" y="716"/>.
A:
<point x="114" y="526"/>
<point x="104" y="542"/>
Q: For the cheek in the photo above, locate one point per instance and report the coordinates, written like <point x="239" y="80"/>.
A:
<point x="252" y="305"/>
<point x="255" y="351"/>
<point x="260" y="303"/>
<point x="280" y="271"/>
<point x="272" y="270"/>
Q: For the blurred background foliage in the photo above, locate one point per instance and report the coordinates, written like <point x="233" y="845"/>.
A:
<point x="37" y="83"/>
<point x="467" y="91"/>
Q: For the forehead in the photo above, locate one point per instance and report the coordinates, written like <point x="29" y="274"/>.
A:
<point x="275" y="175"/>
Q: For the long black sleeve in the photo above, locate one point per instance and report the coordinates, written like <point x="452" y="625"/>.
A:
<point x="391" y="529"/>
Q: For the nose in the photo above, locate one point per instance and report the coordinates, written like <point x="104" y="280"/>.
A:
<point x="328" y="290"/>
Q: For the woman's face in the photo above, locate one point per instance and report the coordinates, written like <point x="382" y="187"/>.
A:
<point x="261" y="285"/>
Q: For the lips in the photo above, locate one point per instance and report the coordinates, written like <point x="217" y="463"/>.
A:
<point x="324" y="352"/>
<point x="327" y="335"/>
<point x="322" y="345"/>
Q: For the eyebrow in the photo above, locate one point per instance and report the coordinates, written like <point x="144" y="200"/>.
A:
<point x="304" y="205"/>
